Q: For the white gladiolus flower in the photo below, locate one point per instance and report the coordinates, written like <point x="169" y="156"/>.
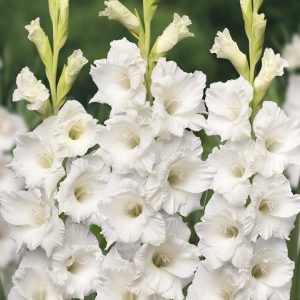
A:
<point x="225" y="47"/>
<point x="115" y="10"/>
<point x="33" y="220"/>
<point x="8" y="181"/>
<point x="166" y="269"/>
<point x="34" y="280"/>
<point x="180" y="176"/>
<point x="291" y="52"/>
<point x="269" y="273"/>
<point x="223" y="234"/>
<point x="219" y="284"/>
<point x="228" y="109"/>
<point x="129" y="144"/>
<point x="7" y="245"/>
<point x="10" y="125"/>
<point x="174" y="33"/>
<point x="275" y="207"/>
<point x="277" y="140"/>
<point x="120" y="77"/>
<point x="272" y="66"/>
<point x="178" y="100"/>
<point x="233" y="166"/>
<point x="77" y="264"/>
<point x="76" y="131"/>
<point x="31" y="90"/>
<point x="36" y="151"/>
<point x="81" y="192"/>
<point x="130" y="215"/>
<point x="292" y="108"/>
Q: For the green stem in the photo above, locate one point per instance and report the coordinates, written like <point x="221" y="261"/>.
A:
<point x="2" y="294"/>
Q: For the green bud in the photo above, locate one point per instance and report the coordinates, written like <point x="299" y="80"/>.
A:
<point x="53" y="9"/>
<point x="246" y="7"/>
<point x="115" y="10"/>
<point x="63" y="23"/>
<point x="69" y="74"/>
<point x="257" y="4"/>
<point x="150" y="7"/>
<point x="37" y="35"/>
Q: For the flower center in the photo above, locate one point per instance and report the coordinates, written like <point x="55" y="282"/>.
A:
<point x="171" y="106"/>
<point x="258" y="271"/>
<point x="38" y="217"/>
<point x="39" y="294"/>
<point x="75" y="265"/>
<point x="272" y="145"/>
<point x="266" y="206"/>
<point x="45" y="160"/>
<point x="124" y="82"/>
<point x="175" y="177"/>
<point x="130" y="296"/>
<point x="160" y="260"/>
<point x="76" y="132"/>
<point x="80" y="193"/>
<point x="238" y="171"/>
<point x="131" y="140"/>
<point x="134" y="209"/>
<point x="231" y="231"/>
<point x="226" y="293"/>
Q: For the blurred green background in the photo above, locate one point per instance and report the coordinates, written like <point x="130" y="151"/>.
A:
<point x="93" y="34"/>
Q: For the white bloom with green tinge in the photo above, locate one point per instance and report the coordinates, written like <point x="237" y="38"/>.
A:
<point x="120" y="77"/>
<point x="130" y="215"/>
<point x="269" y="272"/>
<point x="272" y="65"/>
<point x="76" y="131"/>
<point x="77" y="264"/>
<point x="166" y="269"/>
<point x="275" y="207"/>
<point x="178" y="102"/>
<point x="233" y="167"/>
<point x="115" y="10"/>
<point x="219" y="284"/>
<point x="174" y="33"/>
<point x="229" y="110"/>
<point x="36" y="151"/>
<point x="33" y="220"/>
<point x="10" y="125"/>
<point x="83" y="189"/>
<point x="31" y="90"/>
<point x="277" y="140"/>
<point x="223" y="234"/>
<point x="129" y="144"/>
<point x="34" y="279"/>
<point x="179" y="176"/>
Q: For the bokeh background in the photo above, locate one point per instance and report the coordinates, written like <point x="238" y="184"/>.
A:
<point x="93" y="34"/>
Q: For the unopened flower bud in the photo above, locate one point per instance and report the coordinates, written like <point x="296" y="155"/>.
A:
<point x="115" y="10"/>
<point x="37" y="35"/>
<point x="174" y="33"/>
<point x="31" y="90"/>
<point x="225" y="47"/>
<point x="257" y="4"/>
<point x="75" y="63"/>
<point x="259" y="25"/>
<point x="272" y="66"/>
<point x="70" y="72"/>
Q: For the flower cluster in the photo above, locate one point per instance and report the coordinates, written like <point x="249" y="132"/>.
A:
<point x="10" y="125"/>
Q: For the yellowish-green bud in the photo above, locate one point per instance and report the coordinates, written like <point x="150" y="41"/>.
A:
<point x="225" y="47"/>
<point x="272" y="65"/>
<point x="53" y="9"/>
<point x="257" y="4"/>
<point x="37" y="35"/>
<point x="259" y="26"/>
<point x="246" y="6"/>
<point x="116" y="11"/>
<point x="174" y="33"/>
<point x="63" y="23"/>
<point x="70" y="72"/>
<point x="150" y="8"/>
